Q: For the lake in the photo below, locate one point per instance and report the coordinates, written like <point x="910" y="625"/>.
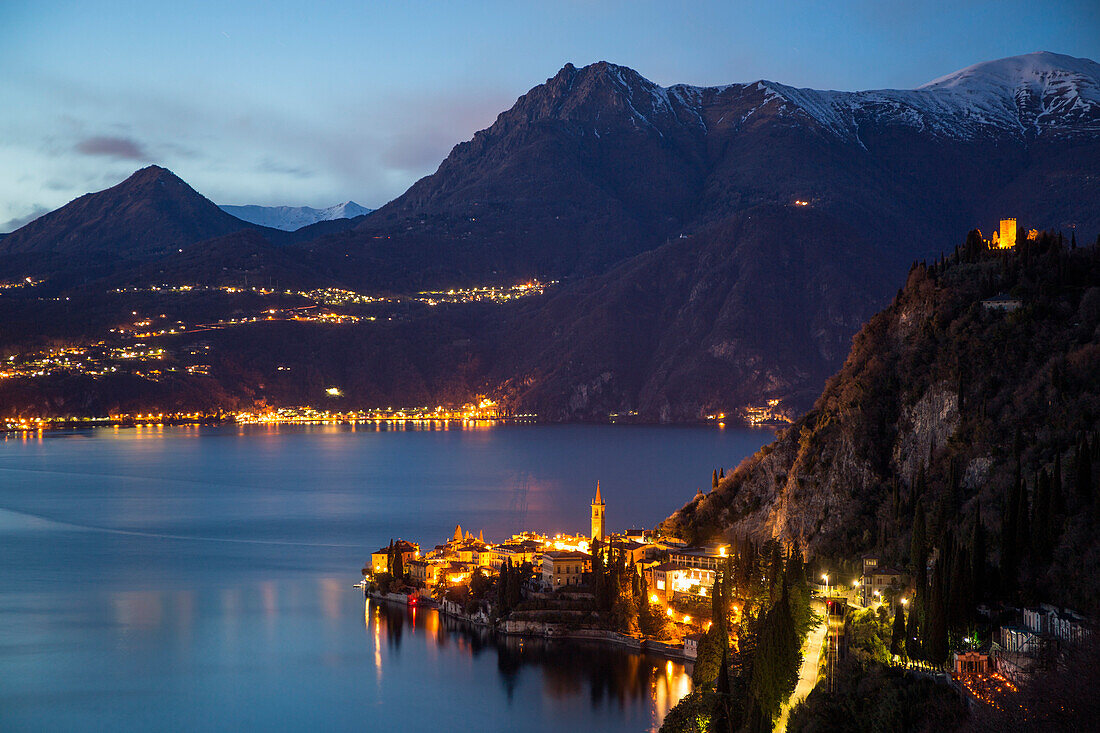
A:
<point x="159" y="578"/>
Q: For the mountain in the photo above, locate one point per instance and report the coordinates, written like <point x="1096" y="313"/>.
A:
<point x="599" y="164"/>
<point x="291" y="218"/>
<point x="949" y="403"/>
<point x="714" y="246"/>
<point x="151" y="213"/>
<point x="687" y="330"/>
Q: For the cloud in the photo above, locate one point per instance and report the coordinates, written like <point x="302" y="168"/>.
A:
<point x="271" y="165"/>
<point x="12" y="224"/>
<point x="122" y="148"/>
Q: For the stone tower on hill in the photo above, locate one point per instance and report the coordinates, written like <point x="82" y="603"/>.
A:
<point x="1008" y="233"/>
<point x="597" y="515"/>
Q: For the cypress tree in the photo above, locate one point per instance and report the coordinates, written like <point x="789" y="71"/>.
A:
<point x="918" y="551"/>
<point x="775" y="664"/>
<point x="1057" y="495"/>
<point x="721" y="473"/>
<point x="912" y="635"/>
<point x="1083" y="470"/>
<point x="1040" y="521"/>
<point x="977" y="555"/>
<point x="775" y="568"/>
<point x="721" y="718"/>
<point x="714" y="479"/>
<point x="959" y="592"/>
<point x="1023" y="522"/>
<point x="398" y="563"/>
<point x="935" y="647"/>
<point x="502" y="588"/>
<point x="1010" y="550"/>
<point x="719" y="608"/>
<point x="897" y="637"/>
<point x="515" y="585"/>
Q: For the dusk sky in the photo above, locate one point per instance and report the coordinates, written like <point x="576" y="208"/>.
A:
<point x="317" y="103"/>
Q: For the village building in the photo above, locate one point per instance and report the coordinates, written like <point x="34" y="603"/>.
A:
<point x="688" y="570"/>
<point x="659" y="579"/>
<point x="972" y="663"/>
<point x="877" y="578"/>
<point x="517" y="553"/>
<point x="691" y="645"/>
<point x="1064" y="625"/>
<point x="425" y="572"/>
<point x="564" y="567"/>
<point x="1003" y="303"/>
<point x="380" y="560"/>
<point x="634" y="551"/>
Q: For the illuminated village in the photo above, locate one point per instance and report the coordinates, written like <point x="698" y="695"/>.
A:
<point x="556" y="579"/>
<point x="532" y="584"/>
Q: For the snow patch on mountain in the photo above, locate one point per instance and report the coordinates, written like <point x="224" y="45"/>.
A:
<point x="1036" y="94"/>
<point x="290" y="218"/>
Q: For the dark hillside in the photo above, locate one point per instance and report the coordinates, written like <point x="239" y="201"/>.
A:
<point x="962" y="408"/>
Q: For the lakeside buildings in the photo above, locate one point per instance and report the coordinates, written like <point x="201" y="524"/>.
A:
<point x="670" y="567"/>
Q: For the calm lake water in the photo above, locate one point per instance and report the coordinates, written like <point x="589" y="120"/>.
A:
<point x="200" y="578"/>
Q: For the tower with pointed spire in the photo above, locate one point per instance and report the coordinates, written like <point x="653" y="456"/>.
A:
<point x="597" y="515"/>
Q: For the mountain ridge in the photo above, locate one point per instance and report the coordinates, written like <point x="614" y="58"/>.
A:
<point x="293" y="218"/>
<point x="621" y="189"/>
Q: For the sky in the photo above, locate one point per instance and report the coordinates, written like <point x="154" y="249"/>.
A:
<point x="315" y="103"/>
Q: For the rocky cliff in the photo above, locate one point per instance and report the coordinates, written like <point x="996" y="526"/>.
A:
<point x="942" y="396"/>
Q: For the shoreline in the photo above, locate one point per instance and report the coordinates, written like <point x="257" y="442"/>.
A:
<point x="597" y="636"/>
<point x="43" y="425"/>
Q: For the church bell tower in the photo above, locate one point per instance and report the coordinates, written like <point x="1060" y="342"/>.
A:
<point x="597" y="515"/>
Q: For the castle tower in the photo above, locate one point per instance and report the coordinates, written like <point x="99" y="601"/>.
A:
<point x="597" y="515"/>
<point x="1008" y="234"/>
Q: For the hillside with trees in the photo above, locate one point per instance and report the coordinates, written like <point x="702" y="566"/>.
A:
<point x="962" y="428"/>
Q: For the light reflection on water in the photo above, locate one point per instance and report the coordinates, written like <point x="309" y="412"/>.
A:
<point x="571" y="672"/>
<point x="201" y="578"/>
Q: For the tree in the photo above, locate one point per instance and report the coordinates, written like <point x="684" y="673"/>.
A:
<point x="721" y="718"/>
<point x="1083" y="471"/>
<point x="601" y="585"/>
<point x="1057" y="492"/>
<point x="719" y="607"/>
<point x="503" y="578"/>
<point x="775" y="664"/>
<point x="935" y="646"/>
<point x="1040" y="520"/>
<point x="918" y="551"/>
<point x="897" y="637"/>
<point x="479" y="584"/>
<point x="714" y="479"/>
<point x="912" y="636"/>
<point x="977" y="555"/>
<point x="516" y="580"/>
<point x="1010" y="548"/>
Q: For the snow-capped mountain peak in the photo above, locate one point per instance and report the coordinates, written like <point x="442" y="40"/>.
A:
<point x="1039" y="70"/>
<point x="290" y="218"/>
<point x="1031" y="95"/>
